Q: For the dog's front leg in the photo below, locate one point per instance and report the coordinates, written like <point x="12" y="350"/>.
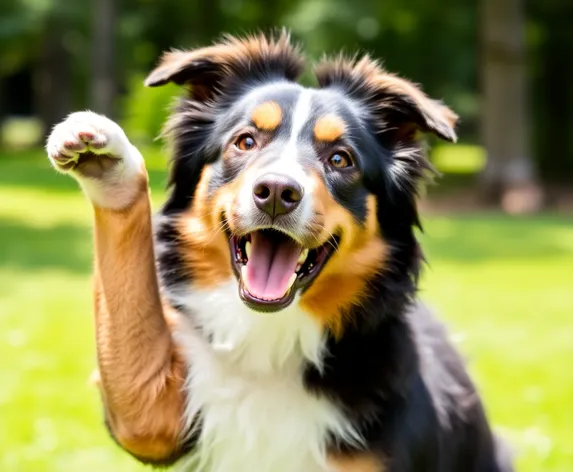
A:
<point x="141" y="374"/>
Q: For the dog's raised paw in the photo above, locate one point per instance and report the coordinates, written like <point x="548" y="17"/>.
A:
<point x="96" y="152"/>
<point x="84" y="138"/>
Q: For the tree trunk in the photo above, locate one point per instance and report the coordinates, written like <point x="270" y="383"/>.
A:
<point x="509" y="176"/>
<point x="52" y="79"/>
<point x="554" y="95"/>
<point x="104" y="87"/>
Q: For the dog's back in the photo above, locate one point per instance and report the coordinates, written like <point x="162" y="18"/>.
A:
<point x="466" y="441"/>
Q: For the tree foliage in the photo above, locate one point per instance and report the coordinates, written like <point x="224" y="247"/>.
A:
<point x="433" y="43"/>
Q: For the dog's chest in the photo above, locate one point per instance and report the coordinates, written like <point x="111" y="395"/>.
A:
<point x="245" y="383"/>
<point x="252" y="423"/>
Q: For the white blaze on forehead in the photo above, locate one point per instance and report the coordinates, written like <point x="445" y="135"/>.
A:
<point x="287" y="162"/>
<point x="300" y="115"/>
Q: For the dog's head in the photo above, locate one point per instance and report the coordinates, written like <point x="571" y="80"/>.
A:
<point x="294" y="190"/>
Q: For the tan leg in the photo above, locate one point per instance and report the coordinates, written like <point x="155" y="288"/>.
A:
<point x="141" y="373"/>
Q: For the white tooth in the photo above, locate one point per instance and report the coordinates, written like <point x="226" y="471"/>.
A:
<point x="244" y="274"/>
<point x="298" y="266"/>
<point x="291" y="281"/>
<point x="248" y="249"/>
<point x="303" y="256"/>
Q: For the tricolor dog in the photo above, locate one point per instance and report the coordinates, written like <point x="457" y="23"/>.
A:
<point x="266" y="320"/>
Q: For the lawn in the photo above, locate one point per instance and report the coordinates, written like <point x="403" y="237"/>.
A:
<point x="505" y="287"/>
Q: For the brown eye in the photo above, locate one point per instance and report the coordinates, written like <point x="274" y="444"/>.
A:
<point x="245" y="142"/>
<point x="340" y="160"/>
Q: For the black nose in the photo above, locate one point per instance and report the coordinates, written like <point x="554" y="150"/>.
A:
<point x="276" y="194"/>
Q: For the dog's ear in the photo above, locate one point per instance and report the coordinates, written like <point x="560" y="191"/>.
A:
<point x="206" y="71"/>
<point x="400" y="107"/>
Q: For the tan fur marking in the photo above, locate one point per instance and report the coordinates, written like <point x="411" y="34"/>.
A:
<point x="358" y="463"/>
<point x="329" y="128"/>
<point x="140" y="370"/>
<point x="205" y="248"/>
<point x="342" y="282"/>
<point x="267" y="116"/>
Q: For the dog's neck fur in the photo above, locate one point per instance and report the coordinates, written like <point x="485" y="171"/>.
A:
<point x="255" y="343"/>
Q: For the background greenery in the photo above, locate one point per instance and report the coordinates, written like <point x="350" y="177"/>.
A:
<point x="503" y="283"/>
<point x="501" y="65"/>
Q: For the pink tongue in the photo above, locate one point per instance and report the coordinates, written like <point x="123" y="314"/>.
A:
<point x="271" y="264"/>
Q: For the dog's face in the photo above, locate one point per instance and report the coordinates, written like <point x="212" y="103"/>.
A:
<point x="292" y="190"/>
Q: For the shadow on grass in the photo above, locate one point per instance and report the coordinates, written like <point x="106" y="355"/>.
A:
<point x="482" y="237"/>
<point x="64" y="246"/>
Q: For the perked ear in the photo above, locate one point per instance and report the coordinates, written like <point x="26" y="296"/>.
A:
<point x="401" y="107"/>
<point x="207" y="70"/>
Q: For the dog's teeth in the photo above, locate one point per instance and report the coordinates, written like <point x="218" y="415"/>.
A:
<point x="298" y="266"/>
<point x="303" y="256"/>
<point x="248" y="249"/>
<point x="244" y="273"/>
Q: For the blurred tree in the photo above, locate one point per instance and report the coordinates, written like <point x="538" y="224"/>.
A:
<point x="51" y="75"/>
<point x="505" y="108"/>
<point x="551" y="34"/>
<point x="82" y="54"/>
<point x="37" y="42"/>
<point x="103" y="83"/>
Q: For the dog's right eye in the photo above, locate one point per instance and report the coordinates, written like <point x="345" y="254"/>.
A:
<point x="340" y="160"/>
<point x="245" y="142"/>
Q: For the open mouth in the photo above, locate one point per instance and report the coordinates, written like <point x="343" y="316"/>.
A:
<point x="271" y="267"/>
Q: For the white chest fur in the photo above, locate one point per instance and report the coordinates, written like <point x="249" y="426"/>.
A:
<point x="245" y="381"/>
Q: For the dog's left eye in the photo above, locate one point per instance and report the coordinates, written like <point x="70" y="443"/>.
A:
<point x="245" y="142"/>
<point x="340" y="160"/>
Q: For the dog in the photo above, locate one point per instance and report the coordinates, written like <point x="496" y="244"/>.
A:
<point x="267" y="318"/>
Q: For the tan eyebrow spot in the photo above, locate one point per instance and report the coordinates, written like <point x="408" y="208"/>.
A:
<point x="329" y="128"/>
<point x="267" y="116"/>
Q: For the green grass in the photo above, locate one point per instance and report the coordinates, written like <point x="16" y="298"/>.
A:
<point x="458" y="158"/>
<point x="505" y="286"/>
